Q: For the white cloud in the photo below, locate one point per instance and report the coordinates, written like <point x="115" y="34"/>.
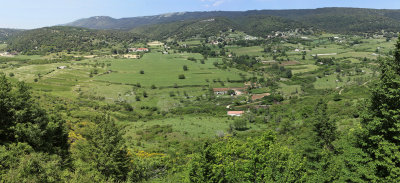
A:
<point x="213" y="3"/>
<point x="217" y="3"/>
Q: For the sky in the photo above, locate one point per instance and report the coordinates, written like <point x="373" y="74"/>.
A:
<point x="29" y="14"/>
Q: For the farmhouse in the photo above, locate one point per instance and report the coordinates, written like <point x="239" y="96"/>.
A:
<point x="221" y="91"/>
<point x="131" y="56"/>
<point x="224" y="91"/>
<point x="138" y="49"/>
<point x="7" y="54"/>
<point x="235" y="113"/>
<point x="259" y="96"/>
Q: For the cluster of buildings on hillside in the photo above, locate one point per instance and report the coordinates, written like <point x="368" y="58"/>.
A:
<point x="7" y="54"/>
<point x="238" y="91"/>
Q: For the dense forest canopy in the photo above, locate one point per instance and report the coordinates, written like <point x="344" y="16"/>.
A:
<point x="253" y="25"/>
<point x="7" y="33"/>
<point x="57" y="39"/>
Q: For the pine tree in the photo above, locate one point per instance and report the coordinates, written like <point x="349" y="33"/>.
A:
<point x="380" y="134"/>
<point x="23" y="120"/>
<point x="103" y="151"/>
<point x="324" y="128"/>
<point x="6" y="112"/>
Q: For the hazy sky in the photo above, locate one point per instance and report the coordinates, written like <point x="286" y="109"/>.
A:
<point x="39" y="13"/>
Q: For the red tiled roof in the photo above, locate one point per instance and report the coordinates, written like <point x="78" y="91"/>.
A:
<point x="235" y="112"/>
<point x="227" y="89"/>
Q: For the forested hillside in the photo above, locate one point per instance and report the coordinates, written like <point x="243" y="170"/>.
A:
<point x="186" y="25"/>
<point x="253" y="25"/>
<point x="57" y="39"/>
<point x="7" y="33"/>
<point x="342" y="20"/>
<point x="336" y="20"/>
<point x="187" y="29"/>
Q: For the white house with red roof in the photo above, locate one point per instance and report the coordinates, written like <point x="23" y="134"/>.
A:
<point x="138" y="49"/>
<point x="235" y="113"/>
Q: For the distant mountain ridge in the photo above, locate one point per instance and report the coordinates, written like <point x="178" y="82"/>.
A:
<point x="329" y="19"/>
<point x="104" y="32"/>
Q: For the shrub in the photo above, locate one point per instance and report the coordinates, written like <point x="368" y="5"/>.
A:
<point x="231" y="92"/>
<point x="337" y="97"/>
<point x="240" y="124"/>
<point x="141" y="72"/>
<point x="192" y="59"/>
<point x="181" y="76"/>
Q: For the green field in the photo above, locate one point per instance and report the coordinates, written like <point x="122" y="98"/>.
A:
<point x="193" y="42"/>
<point x="188" y="127"/>
<point x="163" y="70"/>
<point x="332" y="81"/>
<point x="2" y="46"/>
<point x="289" y="90"/>
<point x="251" y="51"/>
<point x="298" y="69"/>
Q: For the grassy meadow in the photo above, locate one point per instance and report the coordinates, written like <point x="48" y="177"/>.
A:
<point x="163" y="71"/>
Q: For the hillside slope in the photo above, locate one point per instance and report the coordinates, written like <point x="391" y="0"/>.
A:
<point x="56" y="39"/>
<point x="185" y="29"/>
<point x="7" y="33"/>
<point x="257" y="25"/>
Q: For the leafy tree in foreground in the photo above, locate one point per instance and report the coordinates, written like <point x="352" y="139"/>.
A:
<point x="255" y="160"/>
<point x="23" y="120"/>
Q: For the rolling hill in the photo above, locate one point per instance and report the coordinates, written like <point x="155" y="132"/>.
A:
<point x="55" y="39"/>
